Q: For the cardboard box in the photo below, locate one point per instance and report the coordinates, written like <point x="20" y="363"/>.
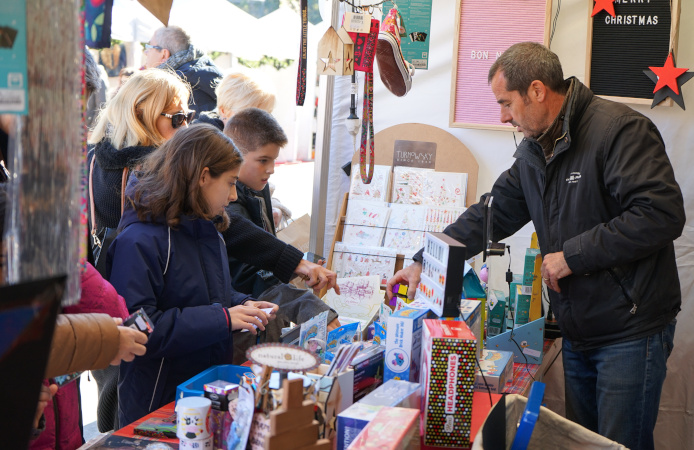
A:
<point x="498" y="370"/>
<point x="448" y="378"/>
<point x="351" y="421"/>
<point x="529" y="266"/>
<point x="403" y="344"/>
<point x="471" y="314"/>
<point x="368" y="370"/>
<point x="520" y="301"/>
<point x="344" y="379"/>
<point x="393" y="393"/>
<point x="391" y="429"/>
<point x="497" y="313"/>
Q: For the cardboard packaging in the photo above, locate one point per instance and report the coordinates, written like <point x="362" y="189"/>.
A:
<point x="520" y="300"/>
<point x="351" y="421"/>
<point x="344" y="379"/>
<point x="391" y="429"/>
<point x="403" y="344"/>
<point x="393" y="393"/>
<point x="471" y="314"/>
<point x="529" y="266"/>
<point x="497" y="313"/>
<point x="220" y="393"/>
<point x="497" y="367"/>
<point x="368" y="370"/>
<point x="448" y="378"/>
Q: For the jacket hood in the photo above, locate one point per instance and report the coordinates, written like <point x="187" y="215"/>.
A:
<point x="110" y="158"/>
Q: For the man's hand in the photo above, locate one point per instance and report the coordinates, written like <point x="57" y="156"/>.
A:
<point x="334" y="324"/>
<point x="47" y="393"/>
<point x="316" y="276"/>
<point x="410" y="276"/>
<point x="264" y="305"/>
<point x="554" y="268"/>
<point x="132" y="343"/>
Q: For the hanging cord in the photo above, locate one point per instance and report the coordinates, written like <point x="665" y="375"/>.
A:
<point x="554" y="23"/>
<point x="489" y="390"/>
<point x="509" y="279"/>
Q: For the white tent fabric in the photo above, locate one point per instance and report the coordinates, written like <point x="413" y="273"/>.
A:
<point x="429" y="101"/>
<point x="214" y="25"/>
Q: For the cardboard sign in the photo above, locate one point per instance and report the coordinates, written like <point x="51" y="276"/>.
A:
<point x="414" y="154"/>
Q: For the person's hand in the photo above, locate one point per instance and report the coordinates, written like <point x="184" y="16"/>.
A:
<point x="334" y="324"/>
<point x="244" y="317"/>
<point x="47" y="393"/>
<point x="316" y="276"/>
<point x="409" y="275"/>
<point x="132" y="343"/>
<point x="264" y="305"/>
<point x="554" y="268"/>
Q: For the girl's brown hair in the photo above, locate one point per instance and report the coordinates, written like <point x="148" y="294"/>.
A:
<point x="168" y="185"/>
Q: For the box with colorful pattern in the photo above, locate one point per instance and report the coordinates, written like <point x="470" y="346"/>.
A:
<point x="448" y="378"/>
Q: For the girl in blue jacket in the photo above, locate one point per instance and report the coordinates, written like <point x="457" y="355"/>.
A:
<point x="170" y="259"/>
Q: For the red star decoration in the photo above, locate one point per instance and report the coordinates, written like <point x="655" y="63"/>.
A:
<point x="607" y="5"/>
<point x="667" y="75"/>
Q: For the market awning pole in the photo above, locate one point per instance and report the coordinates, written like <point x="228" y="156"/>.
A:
<point x="322" y="155"/>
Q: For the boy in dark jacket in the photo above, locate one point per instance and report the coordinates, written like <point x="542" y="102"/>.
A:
<point x="259" y="137"/>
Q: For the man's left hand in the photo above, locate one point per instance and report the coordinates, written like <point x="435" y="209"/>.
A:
<point x="554" y="268"/>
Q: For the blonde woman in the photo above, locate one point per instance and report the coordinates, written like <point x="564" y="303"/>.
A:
<point x="235" y="93"/>
<point x="145" y="113"/>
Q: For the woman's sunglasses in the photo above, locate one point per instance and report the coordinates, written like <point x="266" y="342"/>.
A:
<point x="180" y="117"/>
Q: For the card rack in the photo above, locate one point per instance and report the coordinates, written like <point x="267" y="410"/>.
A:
<point x="443" y="268"/>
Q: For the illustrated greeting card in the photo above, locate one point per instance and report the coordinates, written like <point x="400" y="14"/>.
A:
<point x="408" y="184"/>
<point x="377" y="190"/>
<point x="360" y="298"/>
<point x="355" y="261"/>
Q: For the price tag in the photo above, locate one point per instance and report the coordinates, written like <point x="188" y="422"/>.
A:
<point x="357" y="22"/>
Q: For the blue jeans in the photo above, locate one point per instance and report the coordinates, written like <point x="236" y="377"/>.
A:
<point x="615" y="390"/>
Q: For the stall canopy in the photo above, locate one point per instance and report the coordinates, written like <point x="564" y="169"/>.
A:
<point x="216" y="25"/>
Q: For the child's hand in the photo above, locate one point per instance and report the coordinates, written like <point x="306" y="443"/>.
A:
<point x="132" y="343"/>
<point x="316" y="276"/>
<point x="245" y="317"/>
<point x="334" y="324"/>
<point x="47" y="393"/>
<point x="269" y="308"/>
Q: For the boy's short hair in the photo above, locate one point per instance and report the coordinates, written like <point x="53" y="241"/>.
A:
<point x="253" y="128"/>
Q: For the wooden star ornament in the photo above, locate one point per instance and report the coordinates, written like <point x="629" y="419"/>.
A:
<point x="668" y="81"/>
<point x="607" y="5"/>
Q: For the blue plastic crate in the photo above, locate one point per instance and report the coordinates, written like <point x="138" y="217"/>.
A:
<point x="194" y="386"/>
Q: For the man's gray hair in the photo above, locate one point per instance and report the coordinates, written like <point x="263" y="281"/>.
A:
<point x="173" y="38"/>
<point x="526" y="62"/>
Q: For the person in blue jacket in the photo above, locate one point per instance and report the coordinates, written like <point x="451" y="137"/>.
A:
<point x="170" y="259"/>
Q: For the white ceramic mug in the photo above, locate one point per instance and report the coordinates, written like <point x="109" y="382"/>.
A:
<point x="193" y="418"/>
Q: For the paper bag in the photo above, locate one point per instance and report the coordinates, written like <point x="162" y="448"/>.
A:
<point x="297" y="233"/>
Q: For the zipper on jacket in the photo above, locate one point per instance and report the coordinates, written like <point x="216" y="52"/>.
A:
<point x="154" y="393"/>
<point x="634" y="306"/>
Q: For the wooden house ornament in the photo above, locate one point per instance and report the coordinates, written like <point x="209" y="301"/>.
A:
<point x="335" y="53"/>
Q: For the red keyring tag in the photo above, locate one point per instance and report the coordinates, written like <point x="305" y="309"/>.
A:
<point x="365" y="48"/>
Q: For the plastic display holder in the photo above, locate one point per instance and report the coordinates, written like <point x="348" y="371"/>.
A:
<point x="530" y="339"/>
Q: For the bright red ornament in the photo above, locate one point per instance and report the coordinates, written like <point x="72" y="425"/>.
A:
<point x="607" y="5"/>
<point x="667" y="75"/>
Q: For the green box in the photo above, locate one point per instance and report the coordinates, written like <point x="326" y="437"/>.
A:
<point x="497" y="313"/>
<point x="529" y="267"/>
<point x="521" y="304"/>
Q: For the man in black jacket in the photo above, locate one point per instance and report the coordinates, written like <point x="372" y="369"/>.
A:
<point x="594" y="178"/>
<point x="170" y="48"/>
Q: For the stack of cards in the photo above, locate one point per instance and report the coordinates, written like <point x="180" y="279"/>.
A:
<point x="343" y="358"/>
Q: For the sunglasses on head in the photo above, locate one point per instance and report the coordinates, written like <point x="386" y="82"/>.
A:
<point x="180" y="117"/>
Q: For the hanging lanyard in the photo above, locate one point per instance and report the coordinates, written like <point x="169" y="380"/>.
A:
<point x="301" y="75"/>
<point x="367" y="129"/>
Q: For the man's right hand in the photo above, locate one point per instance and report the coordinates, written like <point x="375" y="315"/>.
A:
<point x="409" y="276"/>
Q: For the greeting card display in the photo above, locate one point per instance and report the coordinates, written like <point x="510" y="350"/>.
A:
<point x="408" y="185"/>
<point x="358" y="261"/>
<point x="365" y="223"/>
<point x="376" y="190"/>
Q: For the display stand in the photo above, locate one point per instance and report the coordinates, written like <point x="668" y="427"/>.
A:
<point x="451" y="156"/>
